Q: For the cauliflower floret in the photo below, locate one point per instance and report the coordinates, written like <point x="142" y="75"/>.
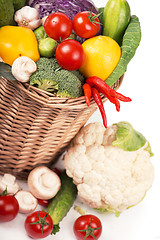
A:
<point x="107" y="176"/>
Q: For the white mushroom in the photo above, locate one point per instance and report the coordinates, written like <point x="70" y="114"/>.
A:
<point x="8" y="182"/>
<point x="28" y="17"/>
<point x="22" y="68"/>
<point x="27" y="202"/>
<point x="43" y="182"/>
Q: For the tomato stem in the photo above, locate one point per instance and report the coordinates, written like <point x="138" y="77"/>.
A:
<point x="93" y="17"/>
<point x="4" y="193"/>
<point x="89" y="231"/>
<point x="42" y="221"/>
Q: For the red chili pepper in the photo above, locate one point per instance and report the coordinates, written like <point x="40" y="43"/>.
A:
<point x="98" y="82"/>
<point x="87" y="93"/>
<point x="113" y="100"/>
<point x="99" y="102"/>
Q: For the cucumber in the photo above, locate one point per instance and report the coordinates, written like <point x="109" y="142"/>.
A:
<point x="116" y="19"/>
<point x="63" y="201"/>
<point x="18" y="4"/>
<point x="6" y="13"/>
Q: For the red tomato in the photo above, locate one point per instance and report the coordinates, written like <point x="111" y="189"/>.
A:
<point x="58" y="26"/>
<point x="92" y="226"/>
<point x="9" y="208"/>
<point x="38" y="224"/>
<point x="43" y="202"/>
<point x="86" y="24"/>
<point x="58" y="171"/>
<point x="70" y="54"/>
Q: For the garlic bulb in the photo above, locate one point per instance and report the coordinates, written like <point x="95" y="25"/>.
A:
<point x="28" y="17"/>
<point x="22" y="68"/>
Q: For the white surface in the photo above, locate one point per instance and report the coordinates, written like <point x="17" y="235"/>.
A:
<point x="141" y="83"/>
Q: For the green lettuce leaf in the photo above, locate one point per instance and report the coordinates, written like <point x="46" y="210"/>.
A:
<point x="130" y="43"/>
<point x="5" y="71"/>
<point x="129" y="139"/>
<point x="107" y="210"/>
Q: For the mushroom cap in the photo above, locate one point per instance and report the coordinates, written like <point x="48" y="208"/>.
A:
<point x="27" y="202"/>
<point x="8" y="181"/>
<point x="22" y="68"/>
<point x="43" y="183"/>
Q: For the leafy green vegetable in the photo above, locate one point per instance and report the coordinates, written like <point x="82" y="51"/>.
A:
<point x="129" y="139"/>
<point x="56" y="228"/>
<point x="108" y="210"/>
<point x="52" y="78"/>
<point x="130" y="43"/>
<point x="5" y="71"/>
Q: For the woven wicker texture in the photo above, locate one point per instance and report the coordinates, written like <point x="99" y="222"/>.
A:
<point x="35" y="127"/>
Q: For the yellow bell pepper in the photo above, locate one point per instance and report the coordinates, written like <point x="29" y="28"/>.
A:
<point x="17" y="41"/>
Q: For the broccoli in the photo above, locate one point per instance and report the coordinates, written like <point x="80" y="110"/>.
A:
<point x="52" y="78"/>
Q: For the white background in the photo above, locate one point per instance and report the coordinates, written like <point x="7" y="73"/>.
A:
<point x="141" y="83"/>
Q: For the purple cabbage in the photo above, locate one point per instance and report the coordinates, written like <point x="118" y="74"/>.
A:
<point x="69" y="7"/>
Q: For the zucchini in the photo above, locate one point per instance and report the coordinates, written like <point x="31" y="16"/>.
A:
<point x="115" y="19"/>
<point x="63" y="201"/>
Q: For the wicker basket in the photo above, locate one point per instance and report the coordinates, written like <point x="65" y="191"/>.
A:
<point x="35" y="127"/>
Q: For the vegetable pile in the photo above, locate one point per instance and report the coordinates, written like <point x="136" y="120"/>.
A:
<point x="109" y="169"/>
<point x="80" y="41"/>
<point x="52" y="189"/>
<point x="72" y="49"/>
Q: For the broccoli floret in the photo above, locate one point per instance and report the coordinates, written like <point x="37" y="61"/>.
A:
<point x="44" y="81"/>
<point x="69" y="85"/>
<point x="52" y="78"/>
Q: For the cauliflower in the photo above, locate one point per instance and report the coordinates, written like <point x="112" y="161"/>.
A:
<point x="108" y="176"/>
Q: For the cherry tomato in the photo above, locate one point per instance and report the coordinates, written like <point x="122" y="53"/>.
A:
<point x="58" y="171"/>
<point x="38" y="224"/>
<point x="92" y="226"/>
<point x="43" y="202"/>
<point x="70" y="54"/>
<point x="58" y="26"/>
<point x="9" y="208"/>
<point x="86" y="24"/>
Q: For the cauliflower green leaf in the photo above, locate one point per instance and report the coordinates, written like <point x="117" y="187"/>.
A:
<point x="129" y="139"/>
